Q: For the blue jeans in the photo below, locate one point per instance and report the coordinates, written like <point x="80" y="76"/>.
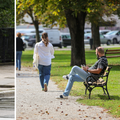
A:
<point x="76" y="74"/>
<point x="18" y="59"/>
<point x="44" y="74"/>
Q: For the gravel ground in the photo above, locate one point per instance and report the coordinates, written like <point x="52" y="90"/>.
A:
<point x="34" y="104"/>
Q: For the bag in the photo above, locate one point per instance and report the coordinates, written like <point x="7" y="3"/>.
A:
<point x="35" y="61"/>
<point x="24" y="47"/>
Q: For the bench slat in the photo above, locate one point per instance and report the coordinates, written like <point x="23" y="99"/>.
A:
<point x="112" y="52"/>
<point x="117" y="51"/>
<point x="112" y="56"/>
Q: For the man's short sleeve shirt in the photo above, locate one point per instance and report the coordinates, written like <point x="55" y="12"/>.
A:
<point x="102" y="63"/>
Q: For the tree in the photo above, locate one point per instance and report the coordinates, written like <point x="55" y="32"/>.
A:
<point x="75" y="15"/>
<point x="96" y="17"/>
<point x="75" y="12"/>
<point x="72" y="11"/>
<point x="24" y="7"/>
<point x="6" y="13"/>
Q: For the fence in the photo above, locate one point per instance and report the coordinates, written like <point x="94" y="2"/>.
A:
<point x="7" y="45"/>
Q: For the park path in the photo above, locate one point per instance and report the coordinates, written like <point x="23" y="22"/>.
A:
<point x="34" y="104"/>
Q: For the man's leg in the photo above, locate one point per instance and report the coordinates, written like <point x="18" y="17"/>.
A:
<point x="76" y="74"/>
<point x="77" y="70"/>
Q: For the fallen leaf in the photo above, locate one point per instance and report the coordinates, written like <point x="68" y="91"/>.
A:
<point x="102" y="112"/>
<point x="79" y="110"/>
<point x="100" y="117"/>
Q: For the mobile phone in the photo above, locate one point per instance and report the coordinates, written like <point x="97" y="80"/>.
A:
<point x="83" y="65"/>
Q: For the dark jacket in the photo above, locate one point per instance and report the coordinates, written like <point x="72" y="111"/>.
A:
<point x="19" y="44"/>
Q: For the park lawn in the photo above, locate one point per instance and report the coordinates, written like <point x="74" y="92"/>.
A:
<point x="61" y="66"/>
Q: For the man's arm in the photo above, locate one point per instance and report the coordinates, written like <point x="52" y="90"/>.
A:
<point x="94" y="71"/>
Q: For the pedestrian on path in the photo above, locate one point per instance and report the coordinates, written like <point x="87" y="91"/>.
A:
<point x="19" y="49"/>
<point x="80" y="74"/>
<point x="45" y="51"/>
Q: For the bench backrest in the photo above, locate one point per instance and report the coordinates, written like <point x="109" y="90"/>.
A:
<point x="116" y="51"/>
<point x="106" y="73"/>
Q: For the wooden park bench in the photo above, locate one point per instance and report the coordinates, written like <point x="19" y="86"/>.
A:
<point x="91" y="82"/>
<point x="113" y="52"/>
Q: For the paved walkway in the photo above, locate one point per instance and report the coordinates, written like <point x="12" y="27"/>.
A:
<point x="7" y="77"/>
<point x="34" y="104"/>
<point x="7" y="82"/>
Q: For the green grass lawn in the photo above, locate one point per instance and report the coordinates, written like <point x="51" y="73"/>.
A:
<point x="61" y="66"/>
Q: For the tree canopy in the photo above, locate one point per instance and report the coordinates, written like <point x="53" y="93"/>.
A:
<point x="6" y="13"/>
<point x="67" y="12"/>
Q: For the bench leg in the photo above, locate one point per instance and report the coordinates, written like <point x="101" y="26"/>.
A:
<point x="86" y="90"/>
<point x="90" y="89"/>
<point x="86" y="87"/>
<point x="104" y="90"/>
<point x="107" y="93"/>
<point x="89" y="94"/>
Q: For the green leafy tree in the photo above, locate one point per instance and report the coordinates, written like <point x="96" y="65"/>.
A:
<point x="6" y="13"/>
<point x="66" y="12"/>
<point x="96" y="17"/>
<point x="75" y="12"/>
<point x="72" y="13"/>
<point x="24" y="7"/>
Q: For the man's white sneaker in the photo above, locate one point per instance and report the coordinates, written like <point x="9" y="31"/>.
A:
<point x="66" y="77"/>
<point x="62" y="97"/>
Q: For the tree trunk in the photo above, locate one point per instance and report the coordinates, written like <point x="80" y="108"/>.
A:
<point x="95" y="36"/>
<point x="76" y="27"/>
<point x="36" y="24"/>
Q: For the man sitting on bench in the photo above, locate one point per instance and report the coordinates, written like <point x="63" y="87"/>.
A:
<point x="80" y="74"/>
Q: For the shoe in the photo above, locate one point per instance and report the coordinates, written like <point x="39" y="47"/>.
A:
<point x="45" y="87"/>
<point x="42" y="89"/>
<point x="66" y="77"/>
<point x="62" y="97"/>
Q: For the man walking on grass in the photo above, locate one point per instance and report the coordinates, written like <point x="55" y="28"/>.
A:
<point x="80" y="74"/>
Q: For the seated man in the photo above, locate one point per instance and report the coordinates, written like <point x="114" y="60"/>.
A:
<point x="80" y="75"/>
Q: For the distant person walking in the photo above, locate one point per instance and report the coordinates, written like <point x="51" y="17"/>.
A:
<point x="19" y="49"/>
<point x="45" y="51"/>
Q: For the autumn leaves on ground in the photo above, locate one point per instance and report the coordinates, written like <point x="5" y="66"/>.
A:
<point x="61" y="66"/>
